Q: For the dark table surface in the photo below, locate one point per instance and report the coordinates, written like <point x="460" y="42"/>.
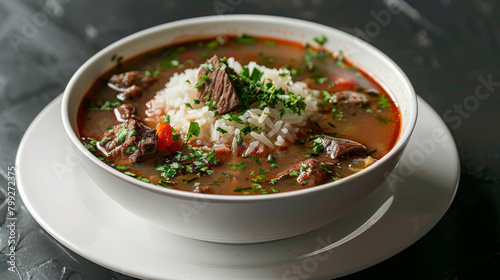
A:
<point x="447" y="48"/>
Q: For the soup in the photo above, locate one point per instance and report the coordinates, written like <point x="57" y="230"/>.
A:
<point x="238" y="116"/>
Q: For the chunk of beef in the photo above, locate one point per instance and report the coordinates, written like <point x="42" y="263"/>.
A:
<point x="219" y="87"/>
<point x="350" y="97"/>
<point x="128" y="142"/>
<point x="311" y="172"/>
<point x="372" y="92"/>
<point x="130" y="84"/>
<point x="124" y="112"/>
<point x="341" y="148"/>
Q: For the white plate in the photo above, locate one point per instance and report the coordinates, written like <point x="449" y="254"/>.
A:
<point x="66" y="203"/>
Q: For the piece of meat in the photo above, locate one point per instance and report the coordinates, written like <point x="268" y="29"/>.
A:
<point x="311" y="172"/>
<point x="124" y="112"/>
<point x="341" y="148"/>
<point x="128" y="142"/>
<point x="372" y="92"/>
<point x="350" y="97"/>
<point x="130" y="84"/>
<point x="219" y="87"/>
<point x="220" y="150"/>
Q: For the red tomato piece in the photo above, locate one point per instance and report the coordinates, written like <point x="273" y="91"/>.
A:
<point x="164" y="131"/>
<point x="342" y="83"/>
<point x="187" y="55"/>
<point x="175" y="146"/>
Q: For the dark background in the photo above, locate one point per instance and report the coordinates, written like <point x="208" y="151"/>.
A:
<point x="445" y="47"/>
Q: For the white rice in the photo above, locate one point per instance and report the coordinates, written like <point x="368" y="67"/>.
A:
<point x="274" y="131"/>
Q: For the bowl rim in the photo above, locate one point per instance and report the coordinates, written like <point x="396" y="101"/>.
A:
<point x="244" y="18"/>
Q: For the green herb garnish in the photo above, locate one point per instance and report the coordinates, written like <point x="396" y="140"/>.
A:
<point x="247" y="129"/>
<point x="262" y="171"/>
<point x="321" y="40"/>
<point x="193" y="130"/>
<point x="269" y="43"/>
<point x="233" y="166"/>
<point x="221" y="130"/>
<point x="232" y="117"/>
<point x="318" y="145"/>
<point x="245" y="39"/>
<point x="384" y="101"/>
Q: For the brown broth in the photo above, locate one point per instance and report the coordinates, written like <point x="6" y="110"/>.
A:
<point x="376" y="124"/>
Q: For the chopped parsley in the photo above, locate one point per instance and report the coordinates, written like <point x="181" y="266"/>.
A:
<point x="232" y="117"/>
<point x="239" y="139"/>
<point x="326" y="168"/>
<point x="130" y="149"/>
<point x="269" y="43"/>
<point x="210" y="104"/>
<point x="152" y="73"/>
<point x="384" y="101"/>
<point x="257" y="161"/>
<point x="247" y="129"/>
<point x="384" y="120"/>
<point x="219" y="129"/>
<point x="233" y="166"/>
<point x="193" y="130"/>
<point x="262" y="171"/>
<point x="245" y="39"/>
<point x="270" y="158"/>
<point x="103" y="105"/>
<point x="90" y="144"/>
<point x="321" y="80"/>
<point x="213" y="44"/>
<point x="205" y="80"/>
<point x="318" y="145"/>
<point x="321" y="39"/>
<point x="242" y="189"/>
<point x="104" y="140"/>
<point x="122" y="133"/>
<point x="190" y="160"/>
<point x="250" y="87"/>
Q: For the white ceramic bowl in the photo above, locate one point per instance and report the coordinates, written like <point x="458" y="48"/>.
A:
<point x="241" y="219"/>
